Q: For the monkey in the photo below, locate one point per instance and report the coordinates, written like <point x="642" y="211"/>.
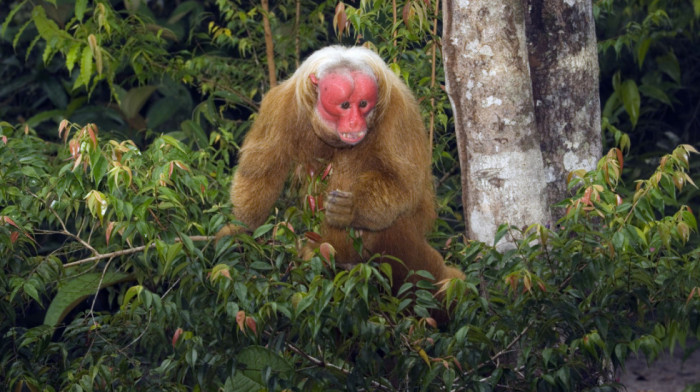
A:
<point x="344" y="106"/>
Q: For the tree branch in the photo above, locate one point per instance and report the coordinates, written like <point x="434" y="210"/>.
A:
<point x="432" y="73"/>
<point x="269" y="46"/>
<point x="320" y="363"/>
<point x="297" y="44"/>
<point x="129" y="251"/>
<point x="69" y="234"/>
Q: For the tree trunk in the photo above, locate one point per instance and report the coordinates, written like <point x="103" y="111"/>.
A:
<point x="524" y="90"/>
<point x="564" y="67"/>
<point x="488" y="82"/>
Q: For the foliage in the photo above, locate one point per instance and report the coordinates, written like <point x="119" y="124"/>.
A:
<point x="556" y="313"/>
<point x="649" y="78"/>
<point x="118" y="128"/>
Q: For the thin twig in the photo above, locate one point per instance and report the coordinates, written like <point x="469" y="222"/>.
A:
<point x="320" y="363"/>
<point x="494" y="357"/>
<point x="97" y="290"/>
<point x="69" y="234"/>
<point x="297" y="44"/>
<point x="432" y="74"/>
<point x="269" y="46"/>
<point x="395" y="33"/>
<point x="130" y="251"/>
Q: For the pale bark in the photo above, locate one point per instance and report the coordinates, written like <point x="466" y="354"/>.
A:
<point x="523" y="82"/>
<point x="564" y="66"/>
<point x="488" y="82"/>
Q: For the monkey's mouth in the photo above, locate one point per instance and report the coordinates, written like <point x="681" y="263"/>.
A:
<point x="352" y="137"/>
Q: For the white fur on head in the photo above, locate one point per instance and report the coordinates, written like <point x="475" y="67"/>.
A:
<point x="331" y="58"/>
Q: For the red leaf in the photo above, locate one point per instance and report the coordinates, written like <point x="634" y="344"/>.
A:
<point x="619" y="158"/>
<point x="225" y="273"/>
<point x="326" y="250"/>
<point x="92" y="131"/>
<point x="431" y="321"/>
<point x="240" y="319"/>
<point x="108" y="231"/>
<point x="61" y="127"/>
<point x="176" y="336"/>
<point x="312" y="203"/>
<point x="457" y="364"/>
<point x="8" y="220"/>
<point x="587" y="196"/>
<point x="250" y="322"/>
<point x="327" y="171"/>
<point x="13" y="236"/>
<point x="182" y="166"/>
<point x="340" y="19"/>
<point x="311" y="236"/>
<point x="74" y="148"/>
<point x="407" y="14"/>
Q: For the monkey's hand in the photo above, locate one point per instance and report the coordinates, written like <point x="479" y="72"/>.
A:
<point x="229" y="230"/>
<point x="339" y="208"/>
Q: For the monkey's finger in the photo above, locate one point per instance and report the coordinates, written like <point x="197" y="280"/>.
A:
<point x="338" y="207"/>
<point x="340" y="194"/>
<point x="228" y="230"/>
<point x="338" y="219"/>
<point x="339" y="199"/>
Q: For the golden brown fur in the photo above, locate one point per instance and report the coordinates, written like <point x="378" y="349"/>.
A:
<point x="387" y="174"/>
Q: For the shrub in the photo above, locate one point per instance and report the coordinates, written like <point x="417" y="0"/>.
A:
<point x="558" y="312"/>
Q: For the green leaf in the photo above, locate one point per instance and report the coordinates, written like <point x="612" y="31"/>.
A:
<point x="134" y="99"/>
<point x="611" y="105"/>
<point x="75" y="290"/>
<point x="173" y="142"/>
<point x="161" y="111"/>
<point x="502" y="230"/>
<point x="195" y="131"/>
<point x="655" y="93"/>
<point x="252" y="361"/>
<point x="668" y="64"/>
<point x="31" y="291"/>
<point x="72" y="56"/>
<point x="43" y="116"/>
<point x="10" y="16"/>
<point x="182" y="10"/>
<point x="262" y="230"/>
<point x="173" y="250"/>
<point x="99" y="168"/>
<point x="642" y="50"/>
<point x="306" y="300"/>
<point x="46" y="28"/>
<point x="619" y="240"/>
<point x="134" y="291"/>
<point x="80" y="6"/>
<point x="630" y="99"/>
<point x="85" y="69"/>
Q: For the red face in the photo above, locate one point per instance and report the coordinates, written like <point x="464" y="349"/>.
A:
<point x="345" y="100"/>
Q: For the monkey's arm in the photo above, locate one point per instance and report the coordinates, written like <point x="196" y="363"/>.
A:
<point x="264" y="164"/>
<point x="256" y="185"/>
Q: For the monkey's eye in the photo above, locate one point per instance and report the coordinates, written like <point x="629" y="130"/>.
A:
<point x="363" y="104"/>
<point x="345" y="105"/>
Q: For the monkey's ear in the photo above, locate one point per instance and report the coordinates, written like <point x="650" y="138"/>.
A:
<point x="314" y="79"/>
